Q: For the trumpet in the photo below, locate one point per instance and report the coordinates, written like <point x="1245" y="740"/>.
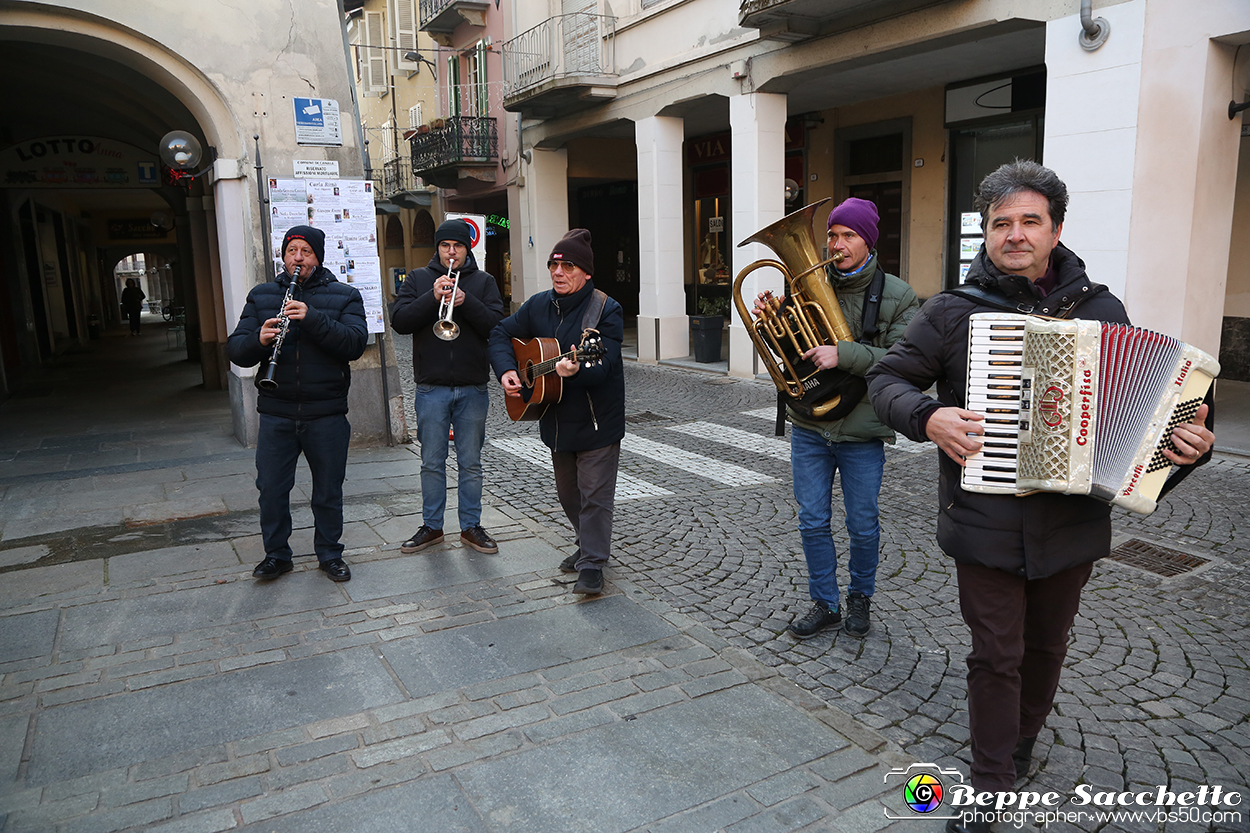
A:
<point x="444" y="327"/>
<point x="284" y="324"/>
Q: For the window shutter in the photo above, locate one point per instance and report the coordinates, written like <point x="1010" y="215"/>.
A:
<point x="453" y="85"/>
<point x="404" y="32"/>
<point x="375" y="59"/>
<point x="414" y="116"/>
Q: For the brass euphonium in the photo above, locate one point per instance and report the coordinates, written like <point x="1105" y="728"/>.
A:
<point x="808" y="317"/>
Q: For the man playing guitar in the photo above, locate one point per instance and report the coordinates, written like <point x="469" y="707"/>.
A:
<point x="585" y="427"/>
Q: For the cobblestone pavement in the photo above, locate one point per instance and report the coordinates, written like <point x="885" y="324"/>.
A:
<point x="1157" y="684"/>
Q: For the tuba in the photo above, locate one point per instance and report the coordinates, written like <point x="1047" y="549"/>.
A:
<point x="808" y="317"/>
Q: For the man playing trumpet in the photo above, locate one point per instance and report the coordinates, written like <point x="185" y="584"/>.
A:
<point x="451" y="370"/>
<point x="853" y="444"/>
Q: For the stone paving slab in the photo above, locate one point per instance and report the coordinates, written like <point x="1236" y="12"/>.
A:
<point x="433" y="804"/>
<point x="171" y="561"/>
<point x="474" y="654"/>
<point x="160" y="614"/>
<point x="450" y="564"/>
<point x="617" y="777"/>
<point x="20" y="586"/>
<point x="28" y="635"/>
<point x="82" y="738"/>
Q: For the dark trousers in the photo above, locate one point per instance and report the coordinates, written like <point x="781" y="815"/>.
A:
<point x="1019" y="641"/>
<point x="134" y="314"/>
<point x="586" y="486"/>
<point x="323" y="442"/>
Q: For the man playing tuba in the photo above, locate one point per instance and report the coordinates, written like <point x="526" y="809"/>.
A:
<point x="853" y="444"/>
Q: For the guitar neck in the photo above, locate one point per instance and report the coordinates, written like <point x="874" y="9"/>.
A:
<point x="547" y="366"/>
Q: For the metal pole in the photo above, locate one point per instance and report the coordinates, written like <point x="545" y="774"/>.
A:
<point x="386" y="394"/>
<point x="262" y="196"/>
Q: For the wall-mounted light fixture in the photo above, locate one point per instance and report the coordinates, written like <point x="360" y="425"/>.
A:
<point x="181" y="152"/>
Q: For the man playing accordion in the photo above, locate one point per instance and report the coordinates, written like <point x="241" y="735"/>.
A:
<point x="1020" y="562"/>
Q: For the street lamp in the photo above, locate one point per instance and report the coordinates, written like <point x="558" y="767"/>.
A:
<point x="181" y="152"/>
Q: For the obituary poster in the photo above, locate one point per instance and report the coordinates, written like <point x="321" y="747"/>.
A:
<point x="343" y="210"/>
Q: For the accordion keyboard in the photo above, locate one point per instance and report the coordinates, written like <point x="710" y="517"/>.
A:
<point x="993" y="388"/>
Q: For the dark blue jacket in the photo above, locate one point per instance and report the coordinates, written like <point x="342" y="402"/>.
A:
<point x="591" y="413"/>
<point x="462" y="361"/>
<point x="313" y="373"/>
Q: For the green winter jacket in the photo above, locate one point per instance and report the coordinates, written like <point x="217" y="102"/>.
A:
<point x="898" y="305"/>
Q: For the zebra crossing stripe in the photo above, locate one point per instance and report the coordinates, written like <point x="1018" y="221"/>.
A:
<point x="901" y="443"/>
<point x="768" y="446"/>
<point x="717" y="470"/>
<point x="533" y="451"/>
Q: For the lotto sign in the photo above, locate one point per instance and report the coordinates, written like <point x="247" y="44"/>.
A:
<point x="477" y="233"/>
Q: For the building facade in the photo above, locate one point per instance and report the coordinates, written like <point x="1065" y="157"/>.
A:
<point x="676" y="128"/>
<point x="95" y="88"/>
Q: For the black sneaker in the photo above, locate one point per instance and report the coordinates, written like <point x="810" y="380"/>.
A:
<point x="479" y="539"/>
<point x="569" y="565"/>
<point x="422" y="539"/>
<point x="816" y="620"/>
<point x="589" y="582"/>
<point x="857" y="614"/>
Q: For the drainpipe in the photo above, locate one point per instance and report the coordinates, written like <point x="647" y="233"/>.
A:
<point x="1094" y="30"/>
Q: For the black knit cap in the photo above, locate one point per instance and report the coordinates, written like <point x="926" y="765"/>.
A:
<point x="456" y="230"/>
<point x="574" y="247"/>
<point x="316" y="238"/>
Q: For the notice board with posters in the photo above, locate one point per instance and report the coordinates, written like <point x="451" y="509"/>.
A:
<point x="343" y="210"/>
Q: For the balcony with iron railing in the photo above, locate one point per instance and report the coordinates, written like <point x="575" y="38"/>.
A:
<point x="564" y="64"/>
<point x="441" y="17"/>
<point x="461" y="147"/>
<point x="791" y="21"/>
<point x="401" y="186"/>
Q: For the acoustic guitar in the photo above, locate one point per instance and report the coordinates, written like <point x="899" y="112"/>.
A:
<point x="536" y="360"/>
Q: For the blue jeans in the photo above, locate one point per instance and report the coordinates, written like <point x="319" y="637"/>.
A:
<point x="438" y="408"/>
<point x="324" y="442"/>
<point x="815" y="461"/>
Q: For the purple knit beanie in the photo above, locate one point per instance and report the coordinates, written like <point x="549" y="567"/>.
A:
<point x="860" y="216"/>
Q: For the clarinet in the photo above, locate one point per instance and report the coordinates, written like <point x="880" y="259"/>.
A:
<point x="284" y="324"/>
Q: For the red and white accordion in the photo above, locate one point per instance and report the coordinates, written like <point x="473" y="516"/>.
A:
<point x="1078" y="407"/>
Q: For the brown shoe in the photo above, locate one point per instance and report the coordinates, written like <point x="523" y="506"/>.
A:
<point x="422" y="539"/>
<point x="479" y="539"/>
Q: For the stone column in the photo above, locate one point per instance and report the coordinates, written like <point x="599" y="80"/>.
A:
<point x="757" y="191"/>
<point x="544" y="205"/>
<point x="663" y="327"/>
<point x="1139" y="131"/>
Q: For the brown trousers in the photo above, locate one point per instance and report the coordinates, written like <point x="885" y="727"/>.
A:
<point x="1019" y="640"/>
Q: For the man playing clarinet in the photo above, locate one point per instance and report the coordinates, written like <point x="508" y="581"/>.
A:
<point x="1020" y="562"/>
<point x="320" y="330"/>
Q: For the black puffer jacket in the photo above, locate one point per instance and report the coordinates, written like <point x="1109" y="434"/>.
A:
<point x="462" y="361"/>
<point x="1034" y="536"/>
<point x="313" y="373"/>
<point x="591" y="413"/>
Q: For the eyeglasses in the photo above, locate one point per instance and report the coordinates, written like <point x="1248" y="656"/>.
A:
<point x="562" y="266"/>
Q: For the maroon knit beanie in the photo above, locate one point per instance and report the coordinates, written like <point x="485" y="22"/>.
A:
<point x="860" y="216"/>
<point x="574" y="247"/>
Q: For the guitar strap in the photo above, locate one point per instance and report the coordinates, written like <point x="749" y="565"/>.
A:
<point x="594" y="309"/>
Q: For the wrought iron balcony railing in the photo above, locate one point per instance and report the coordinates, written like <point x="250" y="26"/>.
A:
<point x="398" y="178"/>
<point x="561" y="46"/>
<point x="446" y="15"/>
<point x="461" y="139"/>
